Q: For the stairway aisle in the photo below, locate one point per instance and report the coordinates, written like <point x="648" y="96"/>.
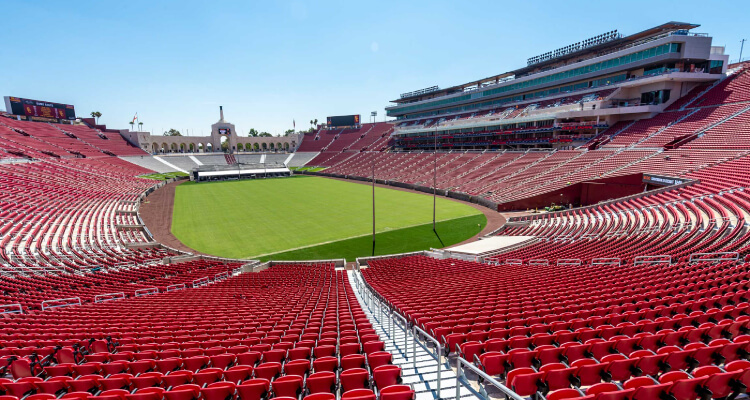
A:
<point x="424" y="378"/>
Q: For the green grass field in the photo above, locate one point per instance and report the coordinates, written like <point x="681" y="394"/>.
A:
<point x="311" y="169"/>
<point x="313" y="218"/>
<point x="164" y="176"/>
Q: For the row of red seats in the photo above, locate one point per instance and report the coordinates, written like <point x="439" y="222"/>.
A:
<point x="307" y="333"/>
<point x="585" y="330"/>
<point x="31" y="291"/>
<point x="60" y="215"/>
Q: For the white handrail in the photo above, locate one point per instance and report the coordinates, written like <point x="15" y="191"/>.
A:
<point x="14" y="308"/>
<point x="71" y="301"/>
<point x="405" y="329"/>
<point x="461" y="363"/>
<point x="606" y="261"/>
<point x="368" y="297"/>
<point x="201" y="282"/>
<point x="716" y="256"/>
<point x="569" y="261"/>
<point x="657" y="259"/>
<point x="146" y="291"/>
<point x="438" y="356"/>
<point x="177" y="286"/>
<point x="101" y="298"/>
<point x="222" y="275"/>
<point x="539" y="261"/>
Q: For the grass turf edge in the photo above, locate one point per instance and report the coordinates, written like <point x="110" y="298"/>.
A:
<point x="403" y="240"/>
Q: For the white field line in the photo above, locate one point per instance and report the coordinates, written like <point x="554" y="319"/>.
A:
<point x="353" y="237"/>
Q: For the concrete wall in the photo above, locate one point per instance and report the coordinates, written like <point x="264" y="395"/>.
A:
<point x="582" y="194"/>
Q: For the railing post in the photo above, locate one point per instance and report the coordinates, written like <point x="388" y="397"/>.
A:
<point x="459" y="375"/>
<point x="380" y="312"/>
<point x="461" y="378"/>
<point x="406" y="340"/>
<point x="390" y="319"/>
<point x="393" y="332"/>
<point x="440" y="368"/>
<point x="414" y="350"/>
<point x="438" y="355"/>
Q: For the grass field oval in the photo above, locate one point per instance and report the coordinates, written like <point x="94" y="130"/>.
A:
<point x="313" y="218"/>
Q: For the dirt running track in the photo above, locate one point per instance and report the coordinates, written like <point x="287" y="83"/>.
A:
<point x="156" y="212"/>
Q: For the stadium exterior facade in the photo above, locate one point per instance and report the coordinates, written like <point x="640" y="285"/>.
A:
<point x="221" y="130"/>
<point x="564" y="100"/>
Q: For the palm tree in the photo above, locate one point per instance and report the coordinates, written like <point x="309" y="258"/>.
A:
<point x="316" y="122"/>
<point x="132" y="123"/>
<point x="96" y="114"/>
<point x="140" y="126"/>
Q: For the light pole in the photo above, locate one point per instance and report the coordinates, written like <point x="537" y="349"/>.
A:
<point x="434" y="181"/>
<point x="373" y="203"/>
<point x="742" y="46"/>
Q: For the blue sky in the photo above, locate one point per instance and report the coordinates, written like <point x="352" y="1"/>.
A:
<point x="269" y="62"/>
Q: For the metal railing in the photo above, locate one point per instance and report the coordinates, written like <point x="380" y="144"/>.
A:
<point x="14" y="308"/>
<point x="538" y="262"/>
<point x="178" y="286"/>
<point x="221" y="276"/>
<point x="102" y="298"/>
<point x="606" y="261"/>
<point x="405" y="328"/>
<point x="201" y="282"/>
<point x="714" y="257"/>
<point x="487" y="379"/>
<point x="368" y="297"/>
<point x="58" y="303"/>
<point x="569" y="261"/>
<point x="438" y="355"/>
<point x="657" y="259"/>
<point x="146" y="291"/>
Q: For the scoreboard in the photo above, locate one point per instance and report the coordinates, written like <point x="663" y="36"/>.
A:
<point x="37" y="108"/>
<point x="225" y="131"/>
<point x="344" y="120"/>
